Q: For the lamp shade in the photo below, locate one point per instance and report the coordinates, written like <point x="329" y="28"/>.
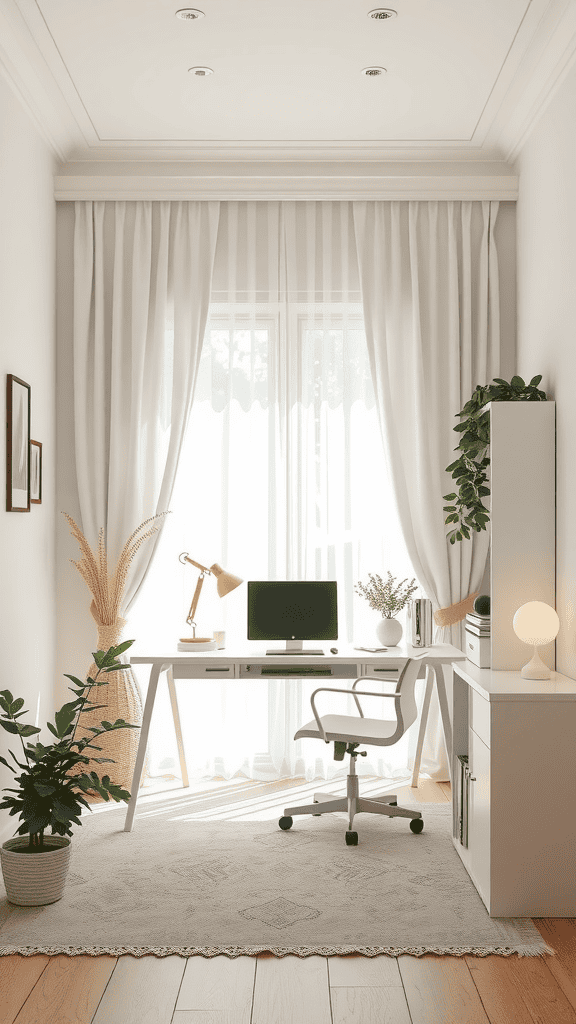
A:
<point x="536" y="623"/>
<point x="225" y="581"/>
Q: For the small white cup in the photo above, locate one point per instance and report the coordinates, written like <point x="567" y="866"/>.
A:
<point x="220" y="637"/>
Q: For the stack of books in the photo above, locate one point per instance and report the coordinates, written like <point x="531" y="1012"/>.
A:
<point x="477" y="634"/>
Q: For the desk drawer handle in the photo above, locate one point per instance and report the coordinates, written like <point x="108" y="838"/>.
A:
<point x="218" y="669"/>
<point x="395" y="670"/>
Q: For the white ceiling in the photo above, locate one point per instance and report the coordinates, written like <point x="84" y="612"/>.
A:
<point x="108" y="79"/>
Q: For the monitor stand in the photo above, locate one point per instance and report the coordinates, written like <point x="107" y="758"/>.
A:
<point x="294" y="647"/>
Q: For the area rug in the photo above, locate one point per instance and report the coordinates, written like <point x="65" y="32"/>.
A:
<point x="189" y="887"/>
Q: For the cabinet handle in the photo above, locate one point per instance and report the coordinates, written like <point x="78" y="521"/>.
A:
<point x="472" y="778"/>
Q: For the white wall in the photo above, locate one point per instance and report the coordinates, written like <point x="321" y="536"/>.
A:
<point x="547" y="318"/>
<point x="27" y="349"/>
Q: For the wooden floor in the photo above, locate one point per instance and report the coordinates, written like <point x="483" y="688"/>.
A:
<point x="316" y="990"/>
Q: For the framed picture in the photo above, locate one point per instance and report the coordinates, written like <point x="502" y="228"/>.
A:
<point x="17" y="445"/>
<point x="35" y="472"/>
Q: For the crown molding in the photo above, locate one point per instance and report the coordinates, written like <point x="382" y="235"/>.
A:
<point x="22" y="67"/>
<point x="293" y="187"/>
<point x="542" y="74"/>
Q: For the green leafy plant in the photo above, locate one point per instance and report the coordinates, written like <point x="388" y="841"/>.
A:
<point x="49" y="792"/>
<point x="467" y="511"/>
<point x="386" y="597"/>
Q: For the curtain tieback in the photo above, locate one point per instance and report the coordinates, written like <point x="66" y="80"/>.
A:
<point x="455" y="612"/>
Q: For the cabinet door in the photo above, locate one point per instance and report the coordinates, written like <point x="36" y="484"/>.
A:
<point x="479" y="816"/>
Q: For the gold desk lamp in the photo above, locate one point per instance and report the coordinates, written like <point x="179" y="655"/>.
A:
<point x="225" y="582"/>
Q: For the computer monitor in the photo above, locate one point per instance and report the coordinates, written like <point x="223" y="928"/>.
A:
<point x="292" y="611"/>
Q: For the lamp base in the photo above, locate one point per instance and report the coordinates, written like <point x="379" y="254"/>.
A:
<point x="535" y="669"/>
<point x="193" y="645"/>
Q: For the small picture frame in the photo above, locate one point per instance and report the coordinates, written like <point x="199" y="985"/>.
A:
<point x="35" y="473"/>
<point x="17" y="444"/>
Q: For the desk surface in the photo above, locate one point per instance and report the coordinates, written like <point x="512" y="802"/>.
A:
<point x="255" y="653"/>
<point x="496" y="685"/>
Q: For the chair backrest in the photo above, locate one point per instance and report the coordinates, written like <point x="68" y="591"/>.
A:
<point x="406" y="709"/>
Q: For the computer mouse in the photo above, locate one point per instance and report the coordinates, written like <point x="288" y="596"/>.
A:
<point x="333" y="650"/>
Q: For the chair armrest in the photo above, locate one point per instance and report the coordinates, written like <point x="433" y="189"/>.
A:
<point x="334" y="689"/>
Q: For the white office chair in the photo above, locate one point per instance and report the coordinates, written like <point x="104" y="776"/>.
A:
<point x="347" y="732"/>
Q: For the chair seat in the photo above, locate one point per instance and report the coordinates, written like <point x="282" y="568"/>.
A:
<point x="350" y="729"/>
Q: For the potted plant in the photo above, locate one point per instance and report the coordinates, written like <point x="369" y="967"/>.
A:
<point x="388" y="598"/>
<point x="49" y="789"/>
<point x="467" y="510"/>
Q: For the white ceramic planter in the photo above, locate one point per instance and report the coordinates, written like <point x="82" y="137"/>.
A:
<point x="389" y="632"/>
<point x="34" y="879"/>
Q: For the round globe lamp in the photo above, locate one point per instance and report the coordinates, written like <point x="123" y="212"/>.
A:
<point x="536" y="623"/>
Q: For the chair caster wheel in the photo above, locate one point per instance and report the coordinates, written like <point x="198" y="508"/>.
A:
<point x="351" y="839"/>
<point x="286" y="823"/>
<point x="416" y="825"/>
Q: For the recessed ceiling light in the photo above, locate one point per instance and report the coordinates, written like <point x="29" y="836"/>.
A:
<point x="189" y="14"/>
<point x="382" y="14"/>
<point x="373" y="71"/>
<point x="200" y="71"/>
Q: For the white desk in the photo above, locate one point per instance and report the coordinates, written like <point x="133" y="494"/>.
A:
<point x="251" y="662"/>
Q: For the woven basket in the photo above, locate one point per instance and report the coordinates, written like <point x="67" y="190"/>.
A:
<point x="123" y="699"/>
<point x="35" y="879"/>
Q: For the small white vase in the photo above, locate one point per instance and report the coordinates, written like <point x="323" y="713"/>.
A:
<point x="389" y="632"/>
<point x="35" y="879"/>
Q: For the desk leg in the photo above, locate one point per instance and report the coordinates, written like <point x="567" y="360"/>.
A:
<point x="143" y="743"/>
<point x="177" y="726"/>
<point x="422" y="730"/>
<point x="437" y="668"/>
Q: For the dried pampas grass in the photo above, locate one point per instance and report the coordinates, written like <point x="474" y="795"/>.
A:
<point x="107" y="589"/>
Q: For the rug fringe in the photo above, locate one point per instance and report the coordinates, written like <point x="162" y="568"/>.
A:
<point x="519" y="949"/>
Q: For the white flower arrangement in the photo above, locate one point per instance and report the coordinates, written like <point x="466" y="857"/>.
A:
<point x="386" y="598"/>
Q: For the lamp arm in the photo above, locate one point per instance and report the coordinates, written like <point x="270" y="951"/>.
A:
<point x="195" y="599"/>
<point x="184" y="557"/>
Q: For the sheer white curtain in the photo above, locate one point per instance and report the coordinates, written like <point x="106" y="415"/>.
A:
<point x="138" y="266"/>
<point x="429" y="278"/>
<point x="282" y="476"/>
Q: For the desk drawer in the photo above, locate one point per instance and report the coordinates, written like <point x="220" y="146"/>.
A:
<point x="214" y="671"/>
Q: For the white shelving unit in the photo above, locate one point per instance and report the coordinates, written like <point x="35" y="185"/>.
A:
<point x="522" y="522"/>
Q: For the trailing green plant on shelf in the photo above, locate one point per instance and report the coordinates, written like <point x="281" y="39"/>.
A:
<point x="467" y="510"/>
<point x="48" y="795"/>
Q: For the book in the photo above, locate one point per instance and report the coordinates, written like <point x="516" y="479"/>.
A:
<point x="480" y="620"/>
<point x="476" y="630"/>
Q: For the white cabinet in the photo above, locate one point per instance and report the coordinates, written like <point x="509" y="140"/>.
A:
<point x="514" y="789"/>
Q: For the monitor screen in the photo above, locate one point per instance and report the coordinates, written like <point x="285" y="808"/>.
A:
<point x="279" y="610"/>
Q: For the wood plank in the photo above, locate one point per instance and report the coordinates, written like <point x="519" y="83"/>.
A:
<point x="202" y="1017"/>
<point x="428" y="792"/>
<point x="220" y="984"/>
<point x="68" y="990"/>
<point x="369" y="1006"/>
<point x="440" y="990"/>
<point x="560" y="934"/>
<point x="521" y="989"/>
<point x="142" y="990"/>
<point x="291" y="990"/>
<point x="446" y="789"/>
<point x="18" y="975"/>
<point x="363" y="972"/>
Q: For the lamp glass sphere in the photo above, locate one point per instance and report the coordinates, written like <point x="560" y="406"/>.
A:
<point x="536" y="623"/>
